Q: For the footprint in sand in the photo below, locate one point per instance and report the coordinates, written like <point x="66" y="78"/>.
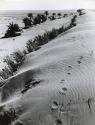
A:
<point x="79" y="62"/>
<point x="54" y="105"/>
<point x="62" y="81"/>
<point x="81" y="57"/>
<point x="69" y="68"/>
<point x="69" y="73"/>
<point x="63" y="91"/>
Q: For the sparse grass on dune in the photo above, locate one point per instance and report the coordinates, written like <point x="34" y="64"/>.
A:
<point x="16" y="59"/>
<point x="47" y="103"/>
<point x="33" y="45"/>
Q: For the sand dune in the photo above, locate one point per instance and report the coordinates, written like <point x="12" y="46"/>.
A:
<point x="63" y="71"/>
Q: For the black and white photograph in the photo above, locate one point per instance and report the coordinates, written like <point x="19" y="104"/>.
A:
<point x="47" y="62"/>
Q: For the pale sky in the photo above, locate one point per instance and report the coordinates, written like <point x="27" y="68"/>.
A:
<point x="45" y="4"/>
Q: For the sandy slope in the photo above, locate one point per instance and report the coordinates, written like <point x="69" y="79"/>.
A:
<point x="10" y="45"/>
<point x="66" y="68"/>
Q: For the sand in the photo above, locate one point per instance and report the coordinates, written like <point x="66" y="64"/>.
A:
<point x="65" y="68"/>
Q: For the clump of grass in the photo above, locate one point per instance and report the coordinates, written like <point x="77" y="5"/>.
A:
<point x="39" y="40"/>
<point x="33" y="45"/>
<point x="73" y="21"/>
<point x="7" y="116"/>
<point x="6" y="72"/>
<point x="30" y="20"/>
<point x="27" y="22"/>
<point x="12" y="31"/>
<point x="18" y="57"/>
<point x="61" y="29"/>
<point x="11" y="63"/>
<point x="59" y="15"/>
<point x="40" y="18"/>
<point x="14" y="61"/>
<point x="81" y="12"/>
<point x="65" y="15"/>
<point x="53" y="34"/>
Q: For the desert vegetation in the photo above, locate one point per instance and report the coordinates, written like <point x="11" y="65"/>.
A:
<point x="46" y="82"/>
<point x="46" y="14"/>
<point x="33" y="45"/>
<point x="59" y="15"/>
<point x="30" y="15"/>
<point x="81" y="11"/>
<point x="27" y="22"/>
<point x="15" y="60"/>
<point x="12" y="31"/>
<point x="40" y="18"/>
<point x="7" y="116"/>
<point x="31" y="20"/>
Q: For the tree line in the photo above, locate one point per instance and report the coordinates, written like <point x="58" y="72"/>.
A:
<point x="31" y="20"/>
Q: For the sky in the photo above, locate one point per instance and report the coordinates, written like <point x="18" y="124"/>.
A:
<point x="46" y="4"/>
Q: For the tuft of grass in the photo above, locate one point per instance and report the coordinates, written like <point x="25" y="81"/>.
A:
<point x="33" y="45"/>
<point x="27" y="22"/>
<point x="54" y="33"/>
<point x="81" y="12"/>
<point x="7" y="116"/>
<point x="18" y="57"/>
<point x="12" y="31"/>
<point x="14" y="61"/>
<point x="11" y="63"/>
<point x="5" y="73"/>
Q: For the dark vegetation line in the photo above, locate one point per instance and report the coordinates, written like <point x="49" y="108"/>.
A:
<point x="30" y="84"/>
<point x="16" y="59"/>
<point x="30" y="21"/>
